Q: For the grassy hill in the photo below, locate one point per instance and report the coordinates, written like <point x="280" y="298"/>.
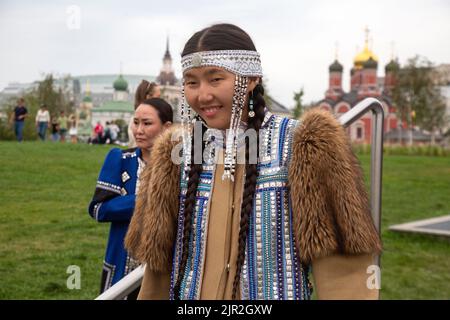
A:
<point x="45" y="228"/>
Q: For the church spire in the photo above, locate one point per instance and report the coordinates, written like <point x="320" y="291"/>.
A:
<point x="88" y="88"/>
<point x="167" y="75"/>
<point x="167" y="54"/>
<point x="87" y="92"/>
<point x="392" y="50"/>
<point x="366" y="41"/>
<point x="336" y="51"/>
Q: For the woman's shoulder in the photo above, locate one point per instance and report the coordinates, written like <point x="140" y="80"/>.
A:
<point x="117" y="159"/>
<point x="328" y="191"/>
<point x="272" y="121"/>
<point x="115" y="152"/>
<point x="321" y="131"/>
<point x="116" y="155"/>
<point x="167" y="140"/>
<point x="318" y="122"/>
<point x="129" y="153"/>
<point x="319" y="139"/>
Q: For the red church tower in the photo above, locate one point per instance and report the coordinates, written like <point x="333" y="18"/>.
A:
<point x="363" y="84"/>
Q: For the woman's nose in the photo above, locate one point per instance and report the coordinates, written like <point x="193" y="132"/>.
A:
<point x="139" y="128"/>
<point x="204" y="94"/>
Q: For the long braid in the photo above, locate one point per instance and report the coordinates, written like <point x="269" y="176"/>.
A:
<point x="189" y="207"/>
<point x="251" y="174"/>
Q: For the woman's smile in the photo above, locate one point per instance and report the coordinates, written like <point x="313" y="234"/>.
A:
<point x="210" y="111"/>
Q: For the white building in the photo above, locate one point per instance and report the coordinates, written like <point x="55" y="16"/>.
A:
<point x="119" y="108"/>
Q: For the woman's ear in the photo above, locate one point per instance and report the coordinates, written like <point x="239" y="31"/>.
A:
<point x="252" y="82"/>
<point x="167" y="125"/>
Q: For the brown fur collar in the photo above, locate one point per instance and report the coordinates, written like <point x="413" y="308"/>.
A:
<point x="152" y="231"/>
<point x="329" y="199"/>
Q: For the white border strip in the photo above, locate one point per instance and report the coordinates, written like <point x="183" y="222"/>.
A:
<point x="419" y="226"/>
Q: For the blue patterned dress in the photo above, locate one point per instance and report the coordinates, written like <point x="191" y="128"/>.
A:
<point x="113" y="202"/>
<point x="272" y="269"/>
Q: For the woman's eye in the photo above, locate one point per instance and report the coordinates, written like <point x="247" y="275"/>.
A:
<point x="216" y="79"/>
<point x="190" y="83"/>
<point x="148" y="123"/>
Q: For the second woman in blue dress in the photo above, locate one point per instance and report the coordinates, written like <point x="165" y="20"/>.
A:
<point x="118" y="184"/>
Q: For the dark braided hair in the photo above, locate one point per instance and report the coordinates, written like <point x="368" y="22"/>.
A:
<point x="223" y="37"/>
<point x="189" y="207"/>
<point x="251" y="174"/>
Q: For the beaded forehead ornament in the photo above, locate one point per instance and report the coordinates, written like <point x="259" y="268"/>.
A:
<point x="244" y="64"/>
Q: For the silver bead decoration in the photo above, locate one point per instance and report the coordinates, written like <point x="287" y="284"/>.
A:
<point x="240" y="91"/>
<point x="244" y="62"/>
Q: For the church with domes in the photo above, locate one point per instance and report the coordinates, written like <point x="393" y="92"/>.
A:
<point x="120" y="107"/>
<point x="363" y="83"/>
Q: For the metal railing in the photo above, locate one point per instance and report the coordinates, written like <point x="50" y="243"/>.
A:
<point x="133" y="280"/>
<point x="376" y="163"/>
<point x="125" y="286"/>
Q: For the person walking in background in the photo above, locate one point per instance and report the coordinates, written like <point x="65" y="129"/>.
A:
<point x="20" y="113"/>
<point x="55" y="128"/>
<point x="118" y="184"/>
<point x="42" y="121"/>
<point x="145" y="90"/>
<point x="73" y="130"/>
<point x="62" y="123"/>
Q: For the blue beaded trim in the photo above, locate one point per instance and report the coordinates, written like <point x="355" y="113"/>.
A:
<point x="272" y="269"/>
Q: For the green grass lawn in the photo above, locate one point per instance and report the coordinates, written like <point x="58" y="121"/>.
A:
<point x="44" y="225"/>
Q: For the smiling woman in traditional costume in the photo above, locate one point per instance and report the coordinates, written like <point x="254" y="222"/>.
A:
<point x="212" y="227"/>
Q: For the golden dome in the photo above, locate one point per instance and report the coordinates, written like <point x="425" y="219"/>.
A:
<point x="364" y="55"/>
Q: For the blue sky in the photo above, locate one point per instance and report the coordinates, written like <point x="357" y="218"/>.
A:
<point x="296" y="39"/>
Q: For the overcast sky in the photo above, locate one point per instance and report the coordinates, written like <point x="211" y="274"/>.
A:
<point x="296" y="39"/>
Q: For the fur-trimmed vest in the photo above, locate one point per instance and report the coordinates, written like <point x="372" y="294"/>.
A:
<point x="312" y="196"/>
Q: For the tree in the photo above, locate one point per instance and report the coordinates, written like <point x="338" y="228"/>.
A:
<point x="299" y="108"/>
<point x="434" y="118"/>
<point x="417" y="98"/>
<point x="55" y="94"/>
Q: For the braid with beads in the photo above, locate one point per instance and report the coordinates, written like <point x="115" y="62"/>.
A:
<point x="251" y="174"/>
<point x="189" y="207"/>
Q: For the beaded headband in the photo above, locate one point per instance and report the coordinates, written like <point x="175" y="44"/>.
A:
<point x="244" y="64"/>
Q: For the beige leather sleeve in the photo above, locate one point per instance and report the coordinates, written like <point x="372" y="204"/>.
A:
<point x="155" y="286"/>
<point x="344" y="277"/>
